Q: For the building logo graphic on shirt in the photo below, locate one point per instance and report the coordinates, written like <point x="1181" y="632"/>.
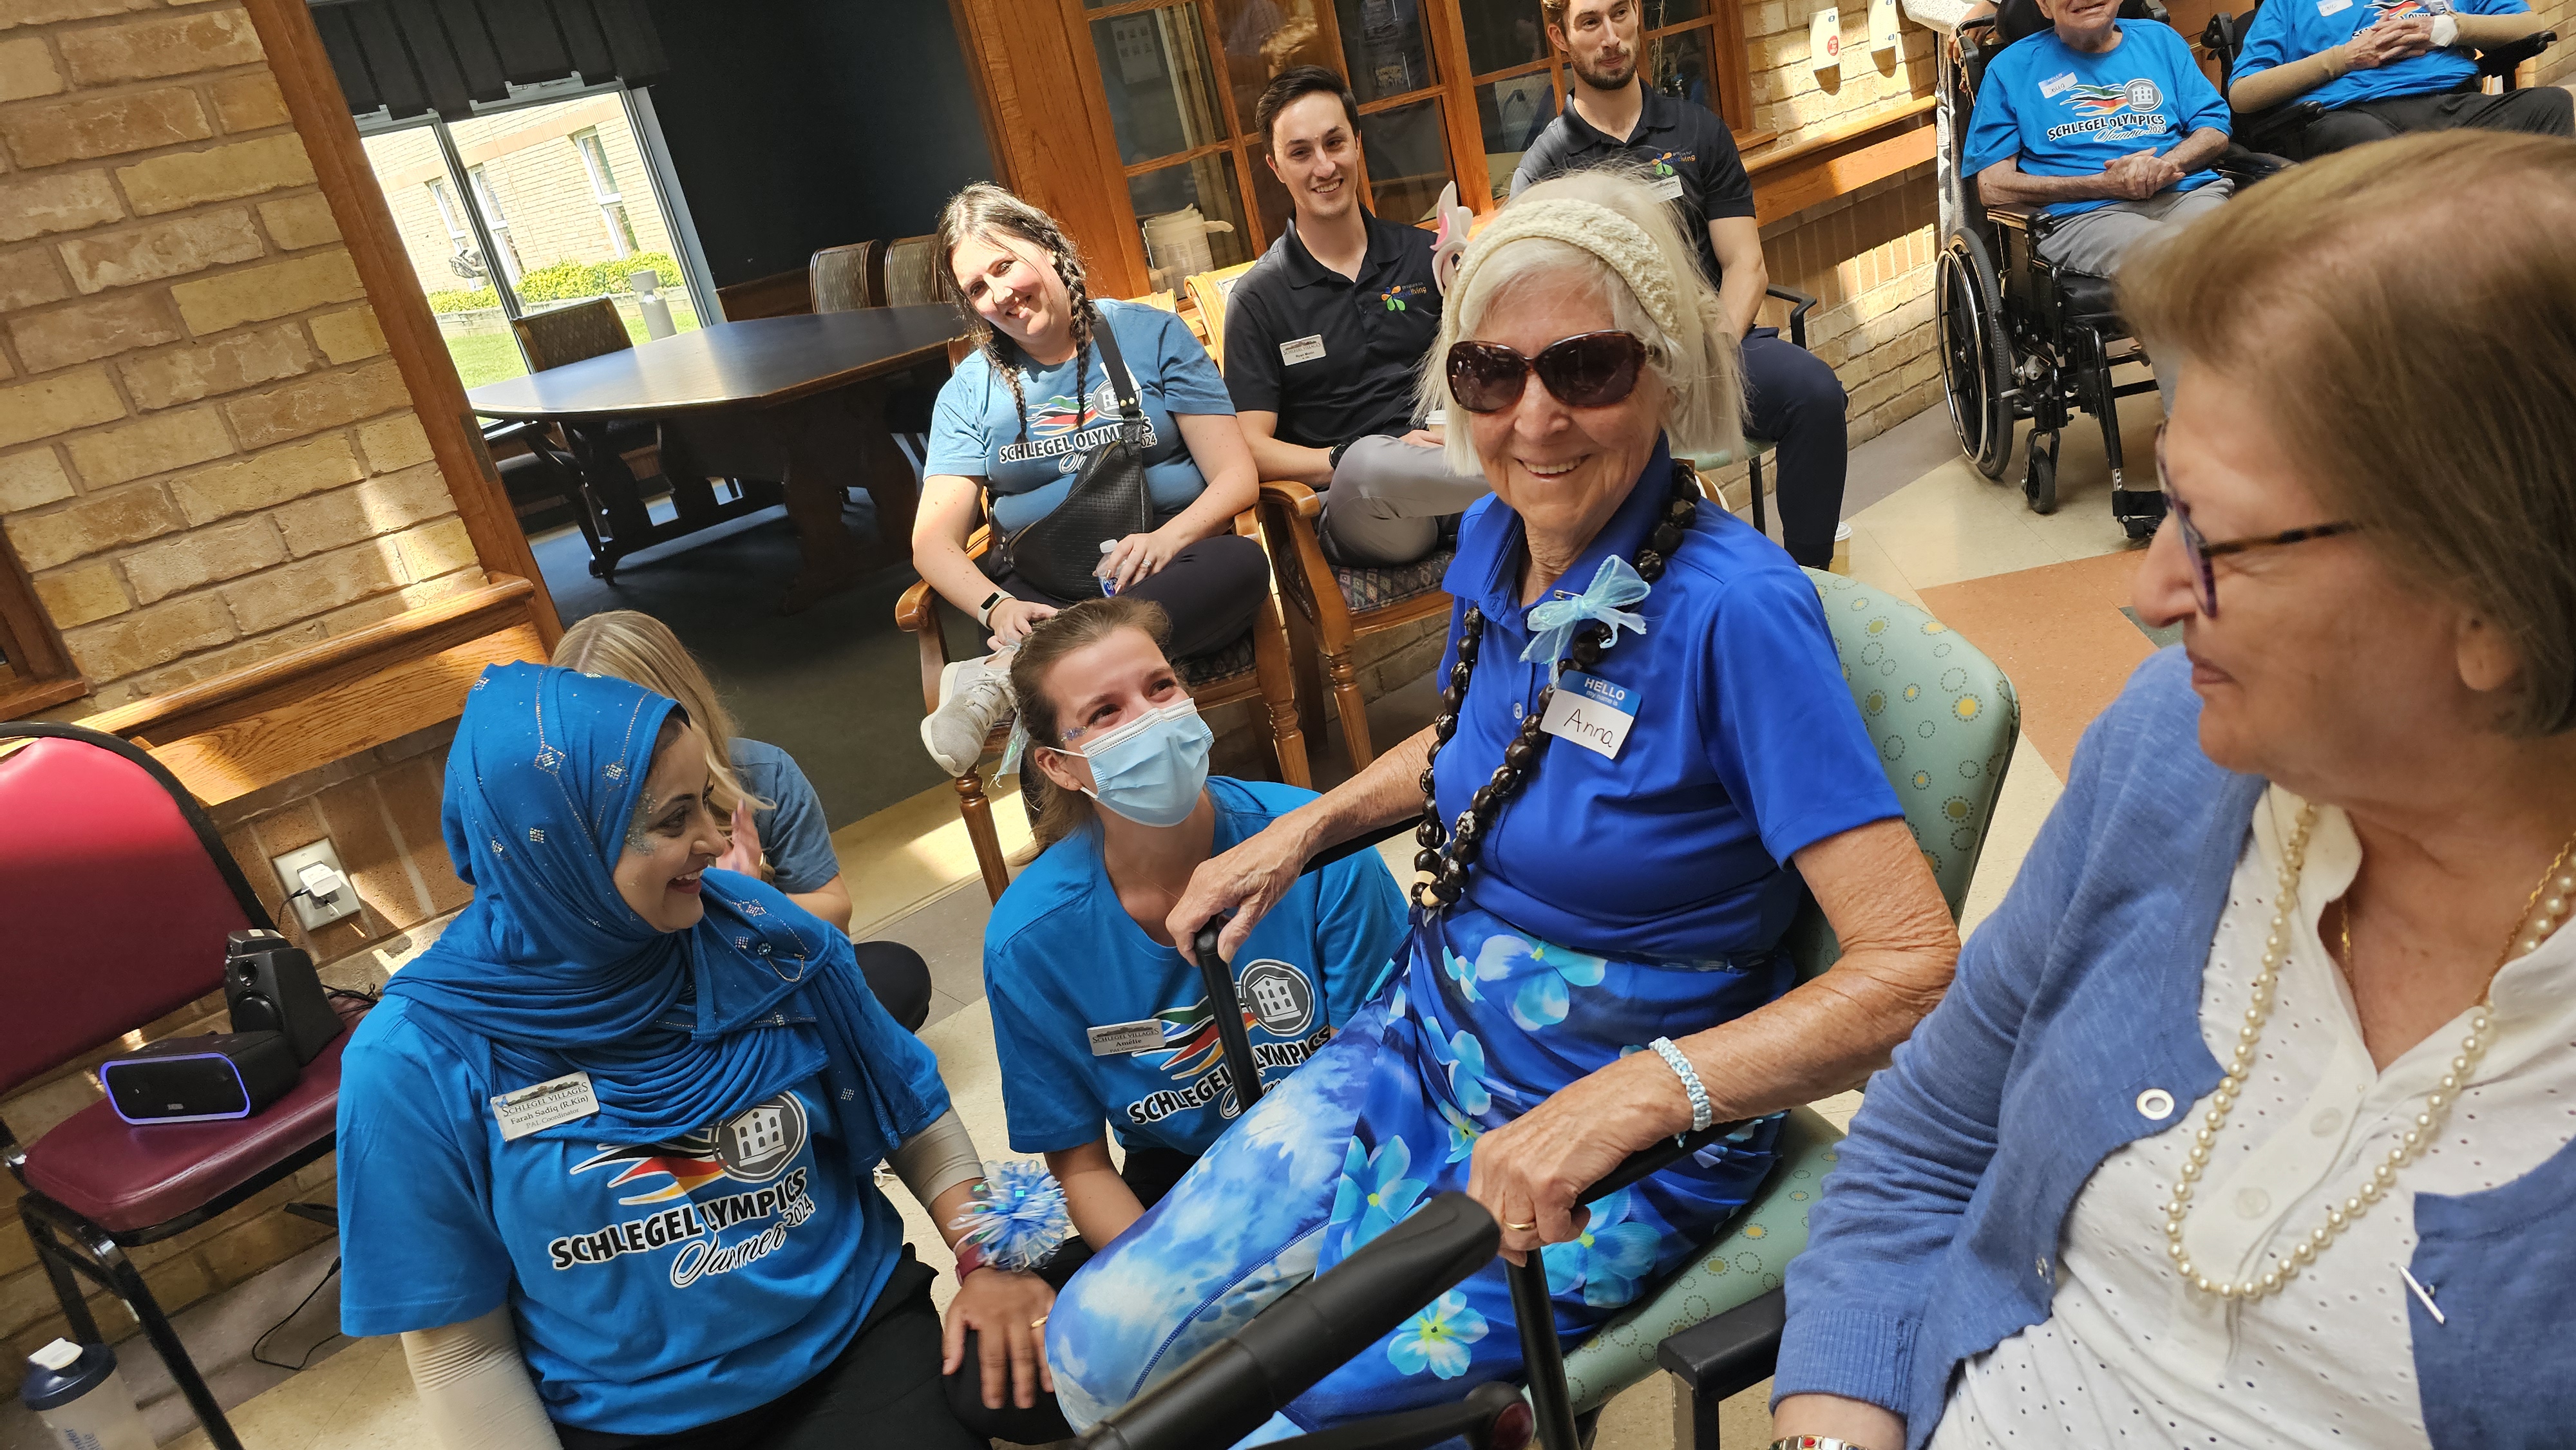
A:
<point x="1276" y="997"/>
<point x="1053" y="429"/>
<point x="1393" y="297"/>
<point x="753" y="1147"/>
<point x="2405" y="10"/>
<point x="2136" y="105"/>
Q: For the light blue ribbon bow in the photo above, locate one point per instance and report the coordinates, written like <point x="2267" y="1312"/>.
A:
<point x="1553" y="622"/>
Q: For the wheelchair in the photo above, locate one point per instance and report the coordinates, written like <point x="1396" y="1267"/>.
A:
<point x="2278" y="128"/>
<point x="2017" y="337"/>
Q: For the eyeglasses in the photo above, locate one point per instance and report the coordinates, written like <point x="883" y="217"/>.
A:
<point x="1588" y="370"/>
<point x="2205" y="579"/>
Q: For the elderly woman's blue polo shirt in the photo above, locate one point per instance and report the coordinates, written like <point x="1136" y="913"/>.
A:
<point x="1746" y="749"/>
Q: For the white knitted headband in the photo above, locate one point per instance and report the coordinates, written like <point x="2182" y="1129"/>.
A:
<point x="1605" y="233"/>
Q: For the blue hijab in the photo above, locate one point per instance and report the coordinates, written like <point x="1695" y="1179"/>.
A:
<point x="549" y="971"/>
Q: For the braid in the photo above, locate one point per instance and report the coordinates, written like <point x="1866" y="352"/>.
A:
<point x="983" y="208"/>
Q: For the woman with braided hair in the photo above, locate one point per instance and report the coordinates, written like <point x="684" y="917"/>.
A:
<point x="1019" y="419"/>
<point x="1595" y="961"/>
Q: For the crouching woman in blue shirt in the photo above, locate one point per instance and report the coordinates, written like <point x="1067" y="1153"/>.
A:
<point x="1102" y="1024"/>
<point x="607" y="1148"/>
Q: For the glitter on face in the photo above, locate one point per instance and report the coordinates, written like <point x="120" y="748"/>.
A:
<point x="639" y="827"/>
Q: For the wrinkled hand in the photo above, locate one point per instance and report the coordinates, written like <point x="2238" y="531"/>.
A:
<point x="1247" y="880"/>
<point x="2140" y="175"/>
<point x="1432" y="437"/>
<point x="1138" y="556"/>
<point x="744" y="854"/>
<point x="1003" y="1309"/>
<point x="1532" y="1169"/>
<point x="1013" y="619"/>
<point x="2394" y="40"/>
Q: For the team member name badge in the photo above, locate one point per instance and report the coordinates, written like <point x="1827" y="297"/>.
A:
<point x="534" y="1109"/>
<point x="1121" y="1039"/>
<point x="1591" y="712"/>
<point x="1302" y="350"/>
<point x="2333" y="7"/>
<point x="1669" y="189"/>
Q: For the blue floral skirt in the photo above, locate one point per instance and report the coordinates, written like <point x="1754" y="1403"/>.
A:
<point x="1479" y="1025"/>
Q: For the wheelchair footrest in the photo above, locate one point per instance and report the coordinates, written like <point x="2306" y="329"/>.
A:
<point x="2131" y="503"/>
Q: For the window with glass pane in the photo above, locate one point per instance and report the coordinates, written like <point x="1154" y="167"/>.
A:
<point x="603" y="189"/>
<point x="1660" y="13"/>
<point x="1678" y="66"/>
<point x="1408" y="161"/>
<point x="1511" y="113"/>
<point x="1385" y="46"/>
<point x="1161" y="88"/>
<point x="1502" y="34"/>
<point x="1260" y="39"/>
<point x="1192" y="217"/>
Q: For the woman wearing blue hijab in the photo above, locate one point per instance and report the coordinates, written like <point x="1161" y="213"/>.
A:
<point x="607" y="1149"/>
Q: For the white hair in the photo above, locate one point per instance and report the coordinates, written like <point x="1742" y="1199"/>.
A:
<point x="1642" y="273"/>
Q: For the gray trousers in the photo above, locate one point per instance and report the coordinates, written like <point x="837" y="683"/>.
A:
<point x="1387" y="500"/>
<point x="2096" y="240"/>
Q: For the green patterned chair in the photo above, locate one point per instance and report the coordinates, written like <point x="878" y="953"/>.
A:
<point x="1945" y="721"/>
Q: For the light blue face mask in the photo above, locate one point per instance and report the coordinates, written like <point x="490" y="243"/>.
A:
<point x="1152" y="768"/>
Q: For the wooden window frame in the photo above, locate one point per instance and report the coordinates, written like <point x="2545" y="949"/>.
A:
<point x="38" y="673"/>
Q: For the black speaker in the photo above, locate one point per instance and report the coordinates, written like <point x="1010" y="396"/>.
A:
<point x="198" y="1079"/>
<point x="270" y="987"/>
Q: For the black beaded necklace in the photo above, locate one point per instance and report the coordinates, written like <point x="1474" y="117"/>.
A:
<point x="1446" y="855"/>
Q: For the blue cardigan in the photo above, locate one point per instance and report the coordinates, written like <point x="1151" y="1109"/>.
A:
<point x="1936" y="1238"/>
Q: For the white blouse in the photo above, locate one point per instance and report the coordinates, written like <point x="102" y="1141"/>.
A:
<point x="2128" y="1354"/>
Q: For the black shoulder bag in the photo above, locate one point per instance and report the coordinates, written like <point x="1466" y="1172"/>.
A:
<point x="1060" y="551"/>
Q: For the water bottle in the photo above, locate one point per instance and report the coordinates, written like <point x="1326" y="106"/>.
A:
<point x="657" y="313"/>
<point x="76" y="1391"/>
<point x="1108" y="581"/>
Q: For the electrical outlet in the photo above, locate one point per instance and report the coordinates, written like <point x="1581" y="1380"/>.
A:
<point x="306" y="871"/>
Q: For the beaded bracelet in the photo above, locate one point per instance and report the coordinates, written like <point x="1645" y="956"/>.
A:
<point x="1701" y="1113"/>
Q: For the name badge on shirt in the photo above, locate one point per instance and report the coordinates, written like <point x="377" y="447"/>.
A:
<point x="2333" y="7"/>
<point x="1123" y="1039"/>
<point x="534" y="1109"/>
<point x="1591" y="712"/>
<point x="2056" y="86"/>
<point x="1669" y="189"/>
<point x="1302" y="350"/>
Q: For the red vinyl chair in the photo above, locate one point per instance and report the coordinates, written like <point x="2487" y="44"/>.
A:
<point x="118" y="895"/>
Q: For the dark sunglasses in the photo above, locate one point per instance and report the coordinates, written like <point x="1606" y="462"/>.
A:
<point x="2205" y="578"/>
<point x="1588" y="370"/>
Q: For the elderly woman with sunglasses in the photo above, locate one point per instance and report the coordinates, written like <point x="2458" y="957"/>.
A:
<point x="1645" y="757"/>
<point x="2248" y="1120"/>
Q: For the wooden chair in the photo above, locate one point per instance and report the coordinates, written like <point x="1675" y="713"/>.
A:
<point x="571" y="333"/>
<point x="1210" y="290"/>
<point x="844" y="278"/>
<point x="1331" y="607"/>
<point x="907" y="278"/>
<point x="1256" y="665"/>
<point x="780" y="294"/>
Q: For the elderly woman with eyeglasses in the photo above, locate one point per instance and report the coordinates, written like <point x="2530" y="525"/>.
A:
<point x="2248" y="1120"/>
<point x="1646" y="754"/>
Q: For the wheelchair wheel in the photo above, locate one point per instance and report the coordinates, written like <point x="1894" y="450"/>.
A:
<point x="1976" y="361"/>
<point x="2039" y="481"/>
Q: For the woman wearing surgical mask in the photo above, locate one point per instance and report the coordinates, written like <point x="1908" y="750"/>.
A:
<point x="1102" y="1026"/>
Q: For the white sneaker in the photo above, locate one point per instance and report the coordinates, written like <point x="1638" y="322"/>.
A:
<point x="972" y="696"/>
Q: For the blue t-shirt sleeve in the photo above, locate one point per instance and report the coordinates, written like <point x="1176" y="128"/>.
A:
<point x="1783" y="732"/>
<point x="1190" y="381"/>
<point x="1360" y="924"/>
<point x="2199" y="101"/>
<point x="1048" y="1096"/>
<point x="793" y="833"/>
<point x="2273" y="38"/>
<point x="1994" y="128"/>
<point x="961" y="435"/>
<point x="416" y="1218"/>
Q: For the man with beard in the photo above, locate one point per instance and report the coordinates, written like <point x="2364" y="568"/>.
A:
<point x="1793" y="399"/>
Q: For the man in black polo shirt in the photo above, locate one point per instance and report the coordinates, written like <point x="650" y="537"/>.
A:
<point x="1323" y="338"/>
<point x="1793" y="399"/>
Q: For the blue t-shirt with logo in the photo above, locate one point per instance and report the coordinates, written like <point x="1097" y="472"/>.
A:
<point x="2065" y="112"/>
<point x="2288" y="30"/>
<point x="656" y="1287"/>
<point x="975" y="430"/>
<point x="1062" y="957"/>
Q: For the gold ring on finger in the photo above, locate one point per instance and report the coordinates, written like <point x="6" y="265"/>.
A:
<point x="1521" y="1227"/>
<point x="1039" y="1322"/>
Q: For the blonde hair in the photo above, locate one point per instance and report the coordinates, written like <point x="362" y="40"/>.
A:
<point x="1692" y="352"/>
<point x="2405" y="315"/>
<point x="1060" y="813"/>
<point x="623" y="644"/>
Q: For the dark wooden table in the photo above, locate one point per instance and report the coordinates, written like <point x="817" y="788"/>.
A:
<point x="800" y="400"/>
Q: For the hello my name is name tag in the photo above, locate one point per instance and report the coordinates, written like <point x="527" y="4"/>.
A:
<point x="1591" y="712"/>
<point x="1121" y="1039"/>
<point x="1302" y="349"/>
<point x="536" y="1108"/>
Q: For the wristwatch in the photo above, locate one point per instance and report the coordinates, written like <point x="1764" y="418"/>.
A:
<point x="984" y="611"/>
<point x="1338" y="449"/>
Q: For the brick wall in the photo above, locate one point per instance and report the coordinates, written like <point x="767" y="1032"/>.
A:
<point x="206" y="458"/>
<point x="1795" y="99"/>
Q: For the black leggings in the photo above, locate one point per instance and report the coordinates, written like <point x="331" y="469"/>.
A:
<point x="1212" y="590"/>
<point x="883" y="1390"/>
<point x="899" y="978"/>
<point x="1150" y="1172"/>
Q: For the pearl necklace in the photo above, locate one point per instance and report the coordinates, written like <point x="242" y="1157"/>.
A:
<point x="2546" y="909"/>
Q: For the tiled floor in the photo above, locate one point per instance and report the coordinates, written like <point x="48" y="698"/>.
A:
<point x="2041" y="595"/>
